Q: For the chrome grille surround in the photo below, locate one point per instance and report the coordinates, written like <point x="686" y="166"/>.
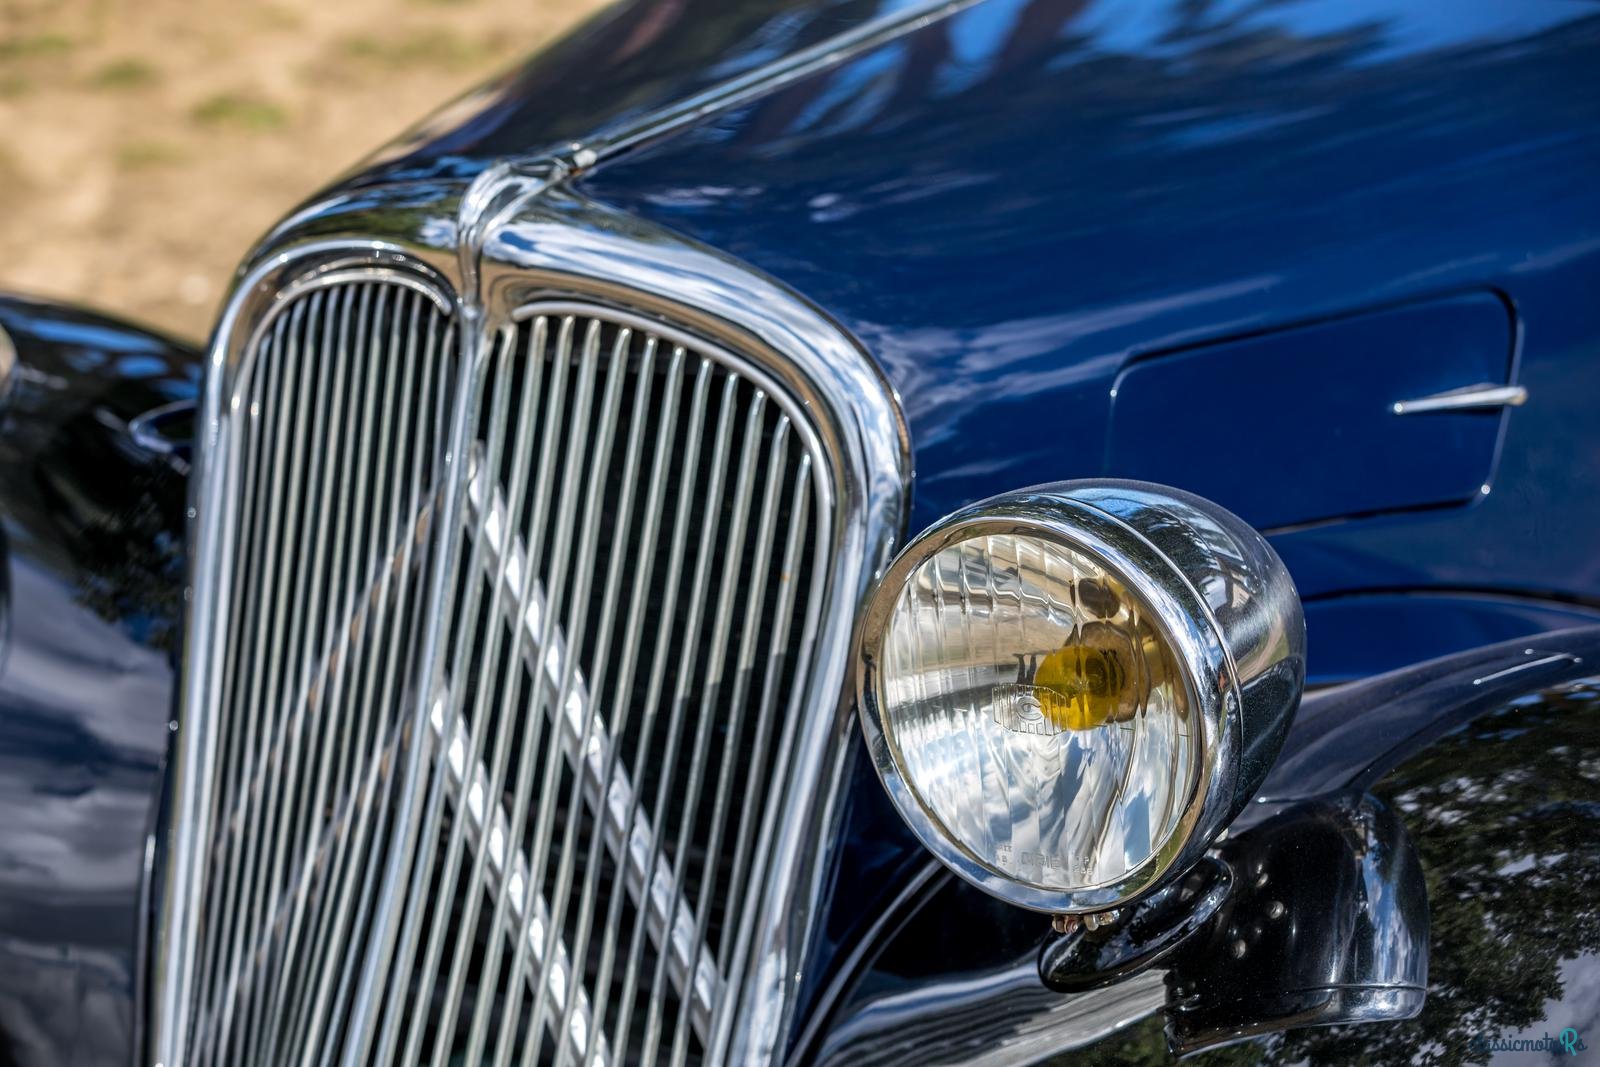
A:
<point x="557" y="260"/>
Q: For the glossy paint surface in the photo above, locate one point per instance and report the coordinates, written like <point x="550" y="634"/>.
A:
<point x="1489" y="759"/>
<point x="92" y="559"/>
<point x="1327" y="390"/>
<point x="1369" y="632"/>
<point x="626" y="65"/>
<point x="1327" y="924"/>
<point x="1011" y="206"/>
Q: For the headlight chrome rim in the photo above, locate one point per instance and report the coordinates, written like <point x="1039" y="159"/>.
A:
<point x="1183" y="619"/>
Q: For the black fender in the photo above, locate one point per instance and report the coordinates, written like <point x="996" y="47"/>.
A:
<point x="1490" y="760"/>
<point x="93" y="484"/>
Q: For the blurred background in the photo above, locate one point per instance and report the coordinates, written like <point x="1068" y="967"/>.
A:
<point x="146" y="144"/>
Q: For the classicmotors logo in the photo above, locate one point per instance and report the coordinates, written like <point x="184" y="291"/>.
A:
<point x="1567" y="1043"/>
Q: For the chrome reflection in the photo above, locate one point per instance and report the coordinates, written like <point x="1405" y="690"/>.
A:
<point x="1068" y="691"/>
<point x="997" y="1018"/>
<point x="840" y="470"/>
<point x="1033" y="706"/>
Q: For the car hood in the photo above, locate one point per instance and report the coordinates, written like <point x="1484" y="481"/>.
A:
<point x="1006" y="201"/>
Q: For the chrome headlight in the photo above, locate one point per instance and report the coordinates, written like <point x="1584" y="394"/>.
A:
<point x="1069" y="691"/>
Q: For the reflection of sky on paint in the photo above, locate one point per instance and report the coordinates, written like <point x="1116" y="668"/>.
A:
<point x="1143" y="26"/>
<point x="976" y="37"/>
<point x="83" y="670"/>
<point x="93" y="708"/>
<point x="857" y="91"/>
<point x="895" y="7"/>
<point x="86" y="334"/>
<point x="775" y="39"/>
<point x="1578" y="1008"/>
<point x="1416" y="28"/>
<point x="1018" y="358"/>
<point x="787" y="31"/>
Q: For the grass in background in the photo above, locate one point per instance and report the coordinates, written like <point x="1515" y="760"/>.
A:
<point x="240" y="111"/>
<point x="130" y="73"/>
<point x="166" y="136"/>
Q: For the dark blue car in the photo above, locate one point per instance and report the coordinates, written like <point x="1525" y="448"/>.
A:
<point x="844" y="532"/>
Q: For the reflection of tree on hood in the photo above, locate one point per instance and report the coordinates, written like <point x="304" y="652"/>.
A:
<point x="133" y="561"/>
<point x="1505" y="815"/>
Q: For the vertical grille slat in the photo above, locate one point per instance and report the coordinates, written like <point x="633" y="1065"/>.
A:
<point x="634" y="639"/>
<point x="756" y="821"/>
<point x="682" y="696"/>
<point x="712" y="682"/>
<point x="516" y="647"/>
<point x="291" y="529"/>
<point x="264" y="541"/>
<point x="457" y="695"/>
<point x="604" y="781"/>
<point x="580" y="604"/>
<point x="561" y="544"/>
<point x="336" y="424"/>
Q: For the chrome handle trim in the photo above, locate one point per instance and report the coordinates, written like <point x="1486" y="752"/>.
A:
<point x="1467" y="398"/>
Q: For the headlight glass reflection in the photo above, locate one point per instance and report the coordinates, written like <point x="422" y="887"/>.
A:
<point x="1037" y="711"/>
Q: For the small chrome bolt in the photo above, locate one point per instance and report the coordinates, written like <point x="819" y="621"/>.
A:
<point x="1239" y="948"/>
<point x="1063" y="924"/>
<point x="1276" y="909"/>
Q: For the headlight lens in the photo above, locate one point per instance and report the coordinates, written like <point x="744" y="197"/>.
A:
<point x="1036" y="711"/>
<point x="1071" y="690"/>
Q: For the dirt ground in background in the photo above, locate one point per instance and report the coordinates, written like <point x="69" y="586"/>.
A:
<point x="146" y="144"/>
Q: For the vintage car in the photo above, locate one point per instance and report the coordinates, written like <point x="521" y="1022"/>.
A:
<point x="844" y="532"/>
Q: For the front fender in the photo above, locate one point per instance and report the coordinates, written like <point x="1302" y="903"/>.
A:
<point x="92" y="498"/>
<point x="1490" y="758"/>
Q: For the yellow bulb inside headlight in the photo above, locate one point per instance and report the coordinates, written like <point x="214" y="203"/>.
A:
<point x="1031" y="702"/>
<point x="1090" y="681"/>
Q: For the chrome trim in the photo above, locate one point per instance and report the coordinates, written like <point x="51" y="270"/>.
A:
<point x="443" y="233"/>
<point x="532" y="297"/>
<point x="1468" y="398"/>
<point x="671" y="916"/>
<point x="146" y="429"/>
<point x="998" y="1018"/>
<point x="1222" y="599"/>
<point x="771" y="77"/>
<point x="212" y="536"/>
<point x="559" y="247"/>
<point x="528" y="913"/>
<point x="536" y="242"/>
<point x="842" y="413"/>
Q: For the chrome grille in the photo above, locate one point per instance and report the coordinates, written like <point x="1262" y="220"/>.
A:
<point x="625" y="644"/>
<point x="498" y="748"/>
<point x="335" y="410"/>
